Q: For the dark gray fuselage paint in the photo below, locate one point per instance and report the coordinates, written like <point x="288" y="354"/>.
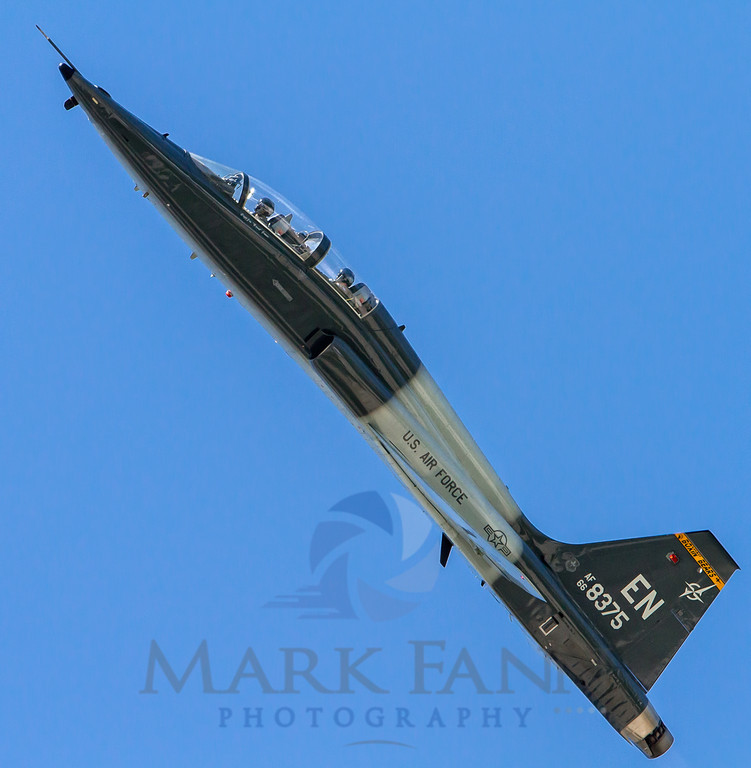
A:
<point x="251" y="257"/>
<point x="365" y="361"/>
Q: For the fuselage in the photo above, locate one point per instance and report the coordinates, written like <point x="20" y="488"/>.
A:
<point x="348" y="342"/>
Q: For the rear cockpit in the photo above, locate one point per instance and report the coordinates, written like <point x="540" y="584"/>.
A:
<point x="292" y="228"/>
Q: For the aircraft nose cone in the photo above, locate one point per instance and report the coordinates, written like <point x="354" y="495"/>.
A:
<point x="66" y="71"/>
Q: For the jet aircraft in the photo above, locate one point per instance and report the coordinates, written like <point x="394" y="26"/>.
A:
<point x="610" y="614"/>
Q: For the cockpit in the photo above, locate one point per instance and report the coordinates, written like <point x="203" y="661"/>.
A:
<point x="292" y="228"/>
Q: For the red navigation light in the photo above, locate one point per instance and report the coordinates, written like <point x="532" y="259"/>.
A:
<point x="673" y="558"/>
<point x="228" y="294"/>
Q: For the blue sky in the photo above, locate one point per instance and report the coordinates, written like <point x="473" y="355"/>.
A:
<point x="554" y="200"/>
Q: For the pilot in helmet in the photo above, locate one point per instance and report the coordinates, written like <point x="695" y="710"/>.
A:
<point x="345" y="278"/>
<point x="265" y="208"/>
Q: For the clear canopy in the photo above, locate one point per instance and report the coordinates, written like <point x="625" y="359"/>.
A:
<point x="292" y="227"/>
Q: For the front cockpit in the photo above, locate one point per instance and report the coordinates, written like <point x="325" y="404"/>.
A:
<point x="292" y="228"/>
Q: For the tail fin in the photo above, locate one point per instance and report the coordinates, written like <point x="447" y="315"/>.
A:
<point x="645" y="596"/>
